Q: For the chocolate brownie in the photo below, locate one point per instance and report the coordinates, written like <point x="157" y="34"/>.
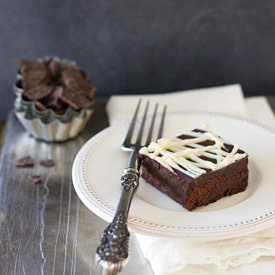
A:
<point x="196" y="168"/>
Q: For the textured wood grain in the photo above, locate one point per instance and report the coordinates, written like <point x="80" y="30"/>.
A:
<point x="45" y="228"/>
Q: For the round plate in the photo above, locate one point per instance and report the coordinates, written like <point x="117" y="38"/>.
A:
<point x="100" y="163"/>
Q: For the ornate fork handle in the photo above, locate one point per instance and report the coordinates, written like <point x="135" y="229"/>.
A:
<point x="112" y="252"/>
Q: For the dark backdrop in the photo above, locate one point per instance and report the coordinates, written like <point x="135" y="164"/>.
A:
<point x="144" y="46"/>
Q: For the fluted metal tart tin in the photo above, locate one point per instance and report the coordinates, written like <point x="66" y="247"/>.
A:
<point x="47" y="125"/>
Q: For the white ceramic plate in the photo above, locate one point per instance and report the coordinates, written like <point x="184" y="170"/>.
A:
<point x="100" y="162"/>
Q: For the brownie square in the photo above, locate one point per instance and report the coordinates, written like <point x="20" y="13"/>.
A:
<point x="196" y="168"/>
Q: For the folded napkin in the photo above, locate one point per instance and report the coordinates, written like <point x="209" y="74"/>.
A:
<point x="251" y="254"/>
<point x="226" y="99"/>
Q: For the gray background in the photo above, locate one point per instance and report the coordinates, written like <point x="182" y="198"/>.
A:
<point x="144" y="46"/>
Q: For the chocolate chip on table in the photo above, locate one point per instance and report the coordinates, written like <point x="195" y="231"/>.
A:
<point x="35" y="179"/>
<point x="24" y="161"/>
<point x="47" y="162"/>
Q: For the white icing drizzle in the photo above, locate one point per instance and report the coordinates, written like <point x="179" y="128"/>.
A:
<point x="185" y="154"/>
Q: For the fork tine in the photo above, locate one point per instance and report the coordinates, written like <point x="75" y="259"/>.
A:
<point x="131" y="127"/>
<point x="162" y="122"/>
<point x="149" y="137"/>
<point x="138" y="141"/>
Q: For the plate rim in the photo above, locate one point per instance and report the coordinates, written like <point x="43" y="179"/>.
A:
<point x="143" y="226"/>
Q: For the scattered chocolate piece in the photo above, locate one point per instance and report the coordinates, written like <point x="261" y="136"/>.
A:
<point x="24" y="161"/>
<point x="47" y="162"/>
<point x="35" y="179"/>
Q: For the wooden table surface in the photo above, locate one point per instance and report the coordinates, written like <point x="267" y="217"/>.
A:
<point x="45" y="228"/>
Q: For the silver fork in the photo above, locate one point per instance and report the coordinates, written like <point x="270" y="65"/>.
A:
<point x="112" y="252"/>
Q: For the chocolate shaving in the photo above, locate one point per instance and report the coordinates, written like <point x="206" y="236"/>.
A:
<point x="24" y="161"/>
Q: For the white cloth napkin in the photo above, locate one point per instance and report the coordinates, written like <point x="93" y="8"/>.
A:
<point x="226" y="99"/>
<point x="251" y="254"/>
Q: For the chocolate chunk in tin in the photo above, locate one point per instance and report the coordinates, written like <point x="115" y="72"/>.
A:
<point x="53" y="98"/>
<point x="74" y="80"/>
<point x="47" y="162"/>
<point x="38" y="93"/>
<point x="54" y="68"/>
<point x="35" y="179"/>
<point x="53" y="102"/>
<point x="24" y="161"/>
<point x="60" y="110"/>
<point x="75" y="100"/>
<point x="34" y="74"/>
<point x="40" y="106"/>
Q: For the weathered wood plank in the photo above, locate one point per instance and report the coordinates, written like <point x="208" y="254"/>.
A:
<point x="45" y="228"/>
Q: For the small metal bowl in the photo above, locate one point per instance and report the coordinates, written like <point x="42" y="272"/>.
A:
<point x="47" y="125"/>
